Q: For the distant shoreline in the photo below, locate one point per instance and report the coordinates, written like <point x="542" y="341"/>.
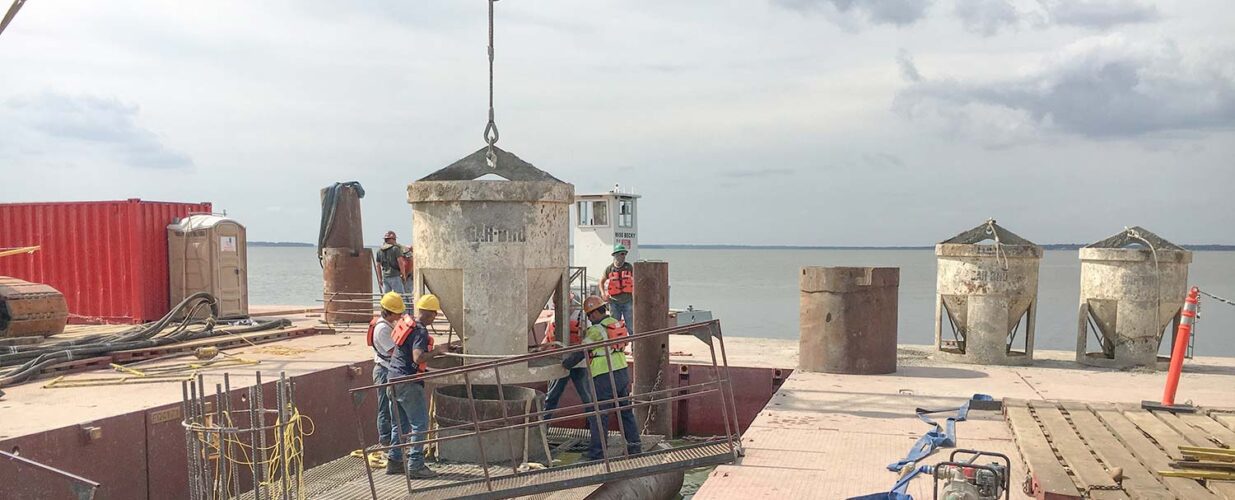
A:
<point x="281" y="244"/>
<point x="1055" y="246"/>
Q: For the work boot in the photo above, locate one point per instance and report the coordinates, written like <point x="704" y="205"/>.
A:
<point x="394" y="467"/>
<point x="424" y="472"/>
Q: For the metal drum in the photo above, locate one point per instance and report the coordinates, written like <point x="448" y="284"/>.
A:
<point x="452" y="408"/>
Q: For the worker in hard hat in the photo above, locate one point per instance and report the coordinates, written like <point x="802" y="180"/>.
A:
<point x="618" y="286"/>
<point x="578" y="372"/>
<point x="413" y="349"/>
<point x="388" y="257"/>
<point x="381" y="338"/>
<point x="610" y="376"/>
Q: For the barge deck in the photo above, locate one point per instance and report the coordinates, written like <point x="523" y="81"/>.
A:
<point x="819" y="435"/>
<point x="832" y="436"/>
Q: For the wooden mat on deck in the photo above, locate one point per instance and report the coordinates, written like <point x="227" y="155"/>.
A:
<point x="1070" y="449"/>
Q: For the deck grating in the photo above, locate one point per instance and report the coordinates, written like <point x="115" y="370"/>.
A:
<point x="1070" y="449"/>
<point x="345" y="478"/>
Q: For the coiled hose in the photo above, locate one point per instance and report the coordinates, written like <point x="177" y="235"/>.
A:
<point x="27" y="361"/>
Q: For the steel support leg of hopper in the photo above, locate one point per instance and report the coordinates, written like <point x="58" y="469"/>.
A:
<point x="652" y="355"/>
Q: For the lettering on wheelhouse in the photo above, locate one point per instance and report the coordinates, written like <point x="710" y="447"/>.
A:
<point x="485" y="233"/>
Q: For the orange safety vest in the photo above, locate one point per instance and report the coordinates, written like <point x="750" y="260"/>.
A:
<point x="574" y="332"/>
<point x="621" y="282"/>
<point x="403" y="330"/>
<point x="368" y="337"/>
<point x="616" y="330"/>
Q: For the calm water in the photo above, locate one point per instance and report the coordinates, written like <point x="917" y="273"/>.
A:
<point x="755" y="292"/>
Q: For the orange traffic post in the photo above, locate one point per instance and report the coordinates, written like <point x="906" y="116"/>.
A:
<point x="1187" y="317"/>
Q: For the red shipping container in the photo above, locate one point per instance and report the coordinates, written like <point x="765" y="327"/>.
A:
<point x="108" y="258"/>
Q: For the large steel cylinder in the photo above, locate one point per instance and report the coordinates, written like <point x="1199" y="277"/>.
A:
<point x="348" y="285"/>
<point x="848" y="319"/>
<point x="987" y="283"/>
<point x="452" y="408"/>
<point x="493" y="252"/>
<point x="1132" y="287"/>
<point x="341" y="223"/>
<point x="663" y="486"/>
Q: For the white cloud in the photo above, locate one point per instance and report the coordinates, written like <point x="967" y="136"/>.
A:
<point x="990" y="17"/>
<point x="62" y="129"/>
<point x="844" y="12"/>
<point x="1097" y="87"/>
<point x="986" y="17"/>
<point x="273" y="100"/>
<point x="1099" y="14"/>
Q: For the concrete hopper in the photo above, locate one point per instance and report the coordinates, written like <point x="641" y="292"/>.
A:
<point x="1132" y="287"/>
<point x="986" y="287"/>
<point x="494" y="252"/>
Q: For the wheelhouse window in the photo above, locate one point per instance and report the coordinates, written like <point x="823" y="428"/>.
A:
<point x="626" y="213"/>
<point x="593" y="213"/>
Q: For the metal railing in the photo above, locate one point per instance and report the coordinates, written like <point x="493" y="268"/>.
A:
<point x="79" y="487"/>
<point x="720" y="387"/>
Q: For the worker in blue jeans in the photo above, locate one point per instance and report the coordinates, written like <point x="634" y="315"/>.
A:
<point x="381" y="338"/>
<point x="610" y="374"/>
<point x="414" y="348"/>
<point x="618" y="287"/>
<point x="578" y="373"/>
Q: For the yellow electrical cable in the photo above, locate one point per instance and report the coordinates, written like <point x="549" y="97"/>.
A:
<point x="277" y="465"/>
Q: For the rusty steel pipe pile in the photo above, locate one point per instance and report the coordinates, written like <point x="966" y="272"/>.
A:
<point x="347" y="266"/>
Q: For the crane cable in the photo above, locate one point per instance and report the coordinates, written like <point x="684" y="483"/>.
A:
<point x="8" y="17"/>
<point x="490" y="133"/>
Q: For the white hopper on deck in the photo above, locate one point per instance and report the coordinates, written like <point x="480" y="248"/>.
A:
<point x="1132" y="287"/>
<point x="987" y="285"/>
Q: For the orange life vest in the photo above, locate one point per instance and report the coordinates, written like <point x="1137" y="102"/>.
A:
<point x="574" y="332"/>
<point x="403" y="330"/>
<point x="617" y="330"/>
<point x="368" y="337"/>
<point x="621" y="282"/>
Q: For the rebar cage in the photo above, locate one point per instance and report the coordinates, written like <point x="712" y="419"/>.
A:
<point x="250" y="450"/>
<point x="503" y="482"/>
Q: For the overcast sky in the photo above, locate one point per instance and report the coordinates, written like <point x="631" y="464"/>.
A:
<point x="798" y="122"/>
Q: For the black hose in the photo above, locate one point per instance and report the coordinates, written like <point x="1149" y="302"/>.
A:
<point x="34" y="361"/>
<point x="145" y="331"/>
<point x="35" y="366"/>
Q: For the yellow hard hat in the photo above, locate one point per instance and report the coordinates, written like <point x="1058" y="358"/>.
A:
<point x="428" y="302"/>
<point x="393" y="302"/>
